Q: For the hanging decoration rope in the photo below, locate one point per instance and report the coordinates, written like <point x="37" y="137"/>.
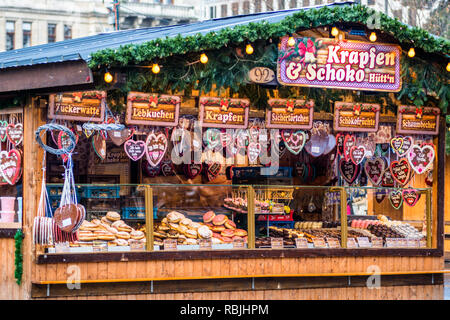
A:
<point x="54" y="126"/>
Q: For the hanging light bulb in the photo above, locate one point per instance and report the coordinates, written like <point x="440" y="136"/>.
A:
<point x="155" y="68"/>
<point x="203" y="58"/>
<point x="249" y="49"/>
<point x="411" y="52"/>
<point x="108" y="77"/>
<point x="334" y="31"/>
<point x="373" y="37"/>
<point x="448" y="67"/>
<point x="291" y="41"/>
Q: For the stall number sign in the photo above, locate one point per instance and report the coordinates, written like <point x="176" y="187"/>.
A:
<point x="363" y="242"/>
<point x="413" y="120"/>
<point x="359" y="117"/>
<point x="276" y="243"/>
<point x="333" y="243"/>
<point x="170" y="244"/>
<point x="377" y="242"/>
<point x="301" y="243"/>
<point x="223" y="112"/>
<point x="351" y="243"/>
<point x="152" y="109"/>
<point x="261" y="75"/>
<point x="82" y="106"/>
<point x="319" y="243"/>
<point x="331" y="63"/>
<point x="290" y="114"/>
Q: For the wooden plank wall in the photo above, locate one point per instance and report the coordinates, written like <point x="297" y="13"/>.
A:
<point x="435" y="292"/>
<point x="9" y="289"/>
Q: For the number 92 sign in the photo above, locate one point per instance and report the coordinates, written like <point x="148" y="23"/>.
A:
<point x="261" y="75"/>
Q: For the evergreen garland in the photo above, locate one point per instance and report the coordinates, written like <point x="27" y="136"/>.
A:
<point x="18" y="261"/>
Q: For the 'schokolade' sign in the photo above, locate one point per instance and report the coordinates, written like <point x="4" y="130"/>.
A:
<point x="412" y="120"/>
<point x="290" y="114"/>
<point x="223" y="113"/>
<point x="359" y="117"/>
<point x="152" y="109"/>
<point x="83" y="106"/>
<point x="331" y="63"/>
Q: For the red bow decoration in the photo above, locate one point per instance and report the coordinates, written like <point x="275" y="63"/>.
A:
<point x="77" y="96"/>
<point x="224" y="104"/>
<point x="419" y="112"/>
<point x="153" y="101"/>
<point x="310" y="46"/>
<point x="290" y="106"/>
<point x="357" y="109"/>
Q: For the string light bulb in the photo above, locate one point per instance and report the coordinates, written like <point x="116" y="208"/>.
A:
<point x="249" y="49"/>
<point x="291" y="41"/>
<point x="203" y="58"/>
<point x="373" y="37"/>
<point x="448" y="67"/>
<point x="411" y="53"/>
<point x="334" y="31"/>
<point x="108" y="77"/>
<point x="155" y="68"/>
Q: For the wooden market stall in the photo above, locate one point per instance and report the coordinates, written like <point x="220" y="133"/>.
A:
<point x="323" y="220"/>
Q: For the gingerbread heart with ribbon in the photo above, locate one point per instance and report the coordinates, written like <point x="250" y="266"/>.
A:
<point x="400" y="171"/>
<point x="118" y="137"/>
<point x="135" y="150"/>
<point x="14" y="133"/>
<point x="380" y="195"/>
<point x="99" y="145"/>
<point x="357" y="154"/>
<point x="410" y="196"/>
<point x="397" y="143"/>
<point x="155" y="148"/>
<point x="253" y="151"/>
<point x="3" y="126"/>
<point x="349" y="170"/>
<point x="406" y="146"/>
<point x="212" y="138"/>
<point x="151" y="170"/>
<point x="294" y="141"/>
<point x="212" y="170"/>
<point x="340" y="138"/>
<point x="421" y="157"/>
<point x="374" y="169"/>
<point x="349" y="142"/>
<point x="64" y="142"/>
<point x="167" y="168"/>
<point x="10" y="166"/>
<point x="396" y="198"/>
<point x="193" y="170"/>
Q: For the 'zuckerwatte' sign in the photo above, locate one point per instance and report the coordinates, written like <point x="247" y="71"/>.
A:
<point x="330" y="63"/>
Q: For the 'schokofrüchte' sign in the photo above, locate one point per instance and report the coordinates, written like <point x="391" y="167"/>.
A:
<point x="223" y="112"/>
<point x="340" y="64"/>
<point x="414" y="120"/>
<point x="82" y="106"/>
<point x="360" y="117"/>
<point x="152" y="109"/>
<point x="290" y="114"/>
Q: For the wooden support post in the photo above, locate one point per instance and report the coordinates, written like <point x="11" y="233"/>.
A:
<point x="251" y="217"/>
<point x="343" y="194"/>
<point x="149" y="218"/>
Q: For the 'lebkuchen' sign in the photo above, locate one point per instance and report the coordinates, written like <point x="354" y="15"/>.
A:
<point x="290" y="114"/>
<point x="331" y="63"/>
<point x="360" y="117"/>
<point x="413" y="120"/>
<point x="84" y="106"/>
<point x="223" y="112"/>
<point x="152" y="109"/>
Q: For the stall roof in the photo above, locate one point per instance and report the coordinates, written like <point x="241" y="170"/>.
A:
<point x="82" y="48"/>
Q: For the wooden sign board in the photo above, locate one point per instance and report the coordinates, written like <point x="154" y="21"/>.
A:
<point x="290" y="114"/>
<point x="377" y="242"/>
<point x="205" y="244"/>
<point x="170" y="244"/>
<point x="358" y="117"/>
<point x="339" y="64"/>
<point x="333" y="243"/>
<point x="152" y="109"/>
<point x="363" y="242"/>
<point x="301" y="243"/>
<point x="276" y="243"/>
<point x="319" y="243"/>
<point x="351" y="243"/>
<point x="413" y="120"/>
<point x="223" y="113"/>
<point x="82" y="106"/>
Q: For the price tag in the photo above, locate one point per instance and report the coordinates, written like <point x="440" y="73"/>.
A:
<point x="363" y="242"/>
<point x="422" y="243"/>
<point x="238" y="244"/>
<point x="392" y="242"/>
<point x="205" y="244"/>
<point x="413" y="243"/>
<point x="333" y="243"/>
<point x="170" y="244"/>
<point x="319" y="243"/>
<point x="99" y="246"/>
<point x="377" y="242"/>
<point x="351" y="243"/>
<point x="301" y="243"/>
<point x="66" y="222"/>
<point x="117" y="134"/>
<point x="276" y="243"/>
<point x="136" y="245"/>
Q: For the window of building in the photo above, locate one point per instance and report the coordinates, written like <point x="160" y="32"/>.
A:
<point x="67" y="32"/>
<point x="397" y="13"/>
<point x="293" y="4"/>
<point x="258" y="7"/>
<point x="235" y="8"/>
<point x="318" y="2"/>
<point x="280" y="4"/>
<point x="412" y="14"/>
<point x="10" y="32"/>
<point x="246" y="7"/>
<point x="269" y="5"/>
<point x="51" y="32"/>
<point x="26" y="31"/>
<point x="224" y="10"/>
<point x="306" y="3"/>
